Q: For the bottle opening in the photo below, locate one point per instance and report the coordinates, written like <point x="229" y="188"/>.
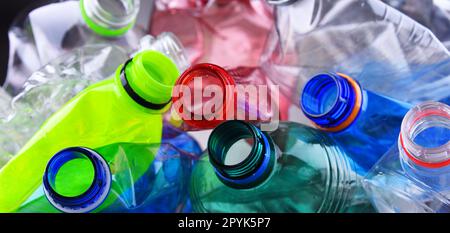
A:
<point x="332" y="101"/>
<point x="149" y="78"/>
<point x="77" y="180"/>
<point x="241" y="154"/>
<point x="109" y="17"/>
<point x="203" y="95"/>
<point x="239" y="151"/>
<point x="74" y="177"/>
<point x="425" y="135"/>
<point x="321" y="95"/>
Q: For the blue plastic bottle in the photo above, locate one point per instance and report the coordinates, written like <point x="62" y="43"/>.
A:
<point x="364" y="123"/>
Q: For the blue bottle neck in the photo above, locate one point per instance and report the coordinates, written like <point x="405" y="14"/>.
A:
<point x="93" y="196"/>
<point x="332" y="101"/>
<point x="257" y="165"/>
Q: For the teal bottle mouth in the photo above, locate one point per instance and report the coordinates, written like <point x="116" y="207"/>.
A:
<point x="87" y="201"/>
<point x="251" y="171"/>
<point x="106" y="19"/>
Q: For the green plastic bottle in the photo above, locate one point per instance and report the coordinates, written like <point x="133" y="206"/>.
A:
<point x="293" y="169"/>
<point x="125" y="108"/>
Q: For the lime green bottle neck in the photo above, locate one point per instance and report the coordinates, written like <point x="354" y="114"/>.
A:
<point x="148" y="80"/>
<point x="109" y="18"/>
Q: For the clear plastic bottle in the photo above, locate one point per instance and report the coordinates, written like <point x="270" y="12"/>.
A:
<point x="50" y="28"/>
<point x="293" y="169"/>
<point x="414" y="176"/>
<point x="132" y="104"/>
<point x="168" y="44"/>
<point x="364" y="123"/>
<point x="386" y="51"/>
<point x="118" y="178"/>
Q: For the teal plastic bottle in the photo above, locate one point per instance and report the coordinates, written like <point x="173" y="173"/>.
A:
<point x="293" y="169"/>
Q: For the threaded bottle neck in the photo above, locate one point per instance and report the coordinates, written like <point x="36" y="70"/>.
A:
<point x="253" y="165"/>
<point x="87" y="200"/>
<point x="188" y="94"/>
<point x="424" y="141"/>
<point x="332" y="101"/>
<point x="110" y="17"/>
<point x="148" y="79"/>
<point x="169" y="45"/>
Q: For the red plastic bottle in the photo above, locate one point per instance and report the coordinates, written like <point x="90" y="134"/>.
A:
<point x="206" y="95"/>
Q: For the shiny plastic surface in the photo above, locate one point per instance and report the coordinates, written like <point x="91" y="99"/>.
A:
<point x="225" y="32"/>
<point x="48" y="29"/>
<point x="206" y="95"/>
<point x="145" y="178"/>
<point x="414" y="176"/>
<point x="309" y="173"/>
<point x="364" y="123"/>
<point x="386" y="51"/>
<point x="83" y="121"/>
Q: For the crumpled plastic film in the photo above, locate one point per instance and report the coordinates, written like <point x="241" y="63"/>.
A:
<point x="386" y="51"/>
<point x="433" y="14"/>
<point x="50" y="88"/>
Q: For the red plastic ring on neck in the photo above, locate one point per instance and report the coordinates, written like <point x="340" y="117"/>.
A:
<point x="414" y="159"/>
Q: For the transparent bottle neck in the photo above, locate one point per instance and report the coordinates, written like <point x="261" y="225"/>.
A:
<point x="110" y="17"/>
<point x="168" y="44"/>
<point x="424" y="141"/>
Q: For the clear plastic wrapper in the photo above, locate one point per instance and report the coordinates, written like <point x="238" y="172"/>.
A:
<point x="49" y="88"/>
<point x="385" y="50"/>
<point x="433" y="14"/>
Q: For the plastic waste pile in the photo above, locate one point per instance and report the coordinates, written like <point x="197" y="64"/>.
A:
<point x="252" y="106"/>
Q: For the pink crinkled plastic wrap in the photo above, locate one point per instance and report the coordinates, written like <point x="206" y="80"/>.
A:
<point x="228" y="33"/>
